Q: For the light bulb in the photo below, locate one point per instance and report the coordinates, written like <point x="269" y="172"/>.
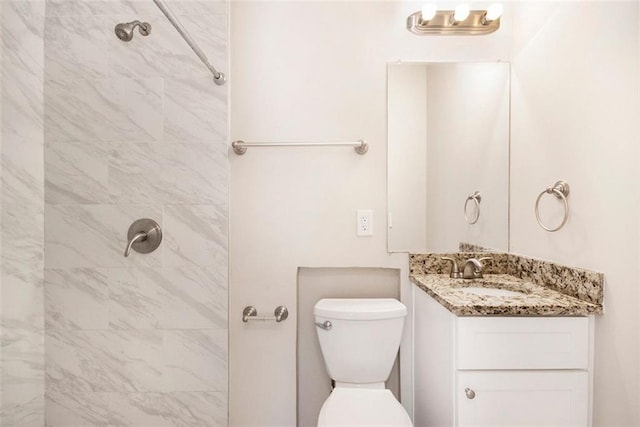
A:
<point x="428" y="12"/>
<point x="494" y="12"/>
<point x="461" y="13"/>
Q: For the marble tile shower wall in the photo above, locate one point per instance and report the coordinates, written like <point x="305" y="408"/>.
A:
<point x="21" y="215"/>
<point x="135" y="130"/>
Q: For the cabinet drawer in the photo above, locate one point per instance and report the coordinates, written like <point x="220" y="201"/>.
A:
<point x="522" y="342"/>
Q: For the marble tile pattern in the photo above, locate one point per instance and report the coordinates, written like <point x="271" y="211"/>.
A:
<point x="135" y="130"/>
<point x="550" y="289"/>
<point x="22" y="361"/>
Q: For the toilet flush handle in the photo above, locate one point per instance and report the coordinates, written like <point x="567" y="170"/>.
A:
<point x="326" y="325"/>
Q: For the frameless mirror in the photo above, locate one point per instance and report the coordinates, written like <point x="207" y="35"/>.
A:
<point x="448" y="156"/>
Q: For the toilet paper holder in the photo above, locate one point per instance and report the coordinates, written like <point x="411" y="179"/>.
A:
<point x="251" y="313"/>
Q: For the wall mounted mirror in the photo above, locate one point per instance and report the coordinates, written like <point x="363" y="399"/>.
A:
<point x="448" y="146"/>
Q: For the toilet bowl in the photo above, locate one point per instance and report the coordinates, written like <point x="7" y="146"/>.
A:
<point x="359" y="339"/>
<point x="362" y="407"/>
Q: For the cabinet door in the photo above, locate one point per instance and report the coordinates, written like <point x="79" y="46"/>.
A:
<point x="522" y="398"/>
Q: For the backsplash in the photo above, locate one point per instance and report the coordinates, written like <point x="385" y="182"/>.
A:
<point x="583" y="284"/>
<point x="432" y="263"/>
<point x="470" y="247"/>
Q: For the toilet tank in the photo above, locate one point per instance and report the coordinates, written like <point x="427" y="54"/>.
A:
<point x="363" y="341"/>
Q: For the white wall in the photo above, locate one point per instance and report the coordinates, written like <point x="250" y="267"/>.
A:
<point x="317" y="71"/>
<point x="468" y="151"/>
<point x="448" y="136"/>
<point x="310" y="70"/>
<point x="407" y="157"/>
<point x="575" y="117"/>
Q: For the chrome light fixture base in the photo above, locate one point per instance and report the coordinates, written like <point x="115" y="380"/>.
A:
<point x="443" y="24"/>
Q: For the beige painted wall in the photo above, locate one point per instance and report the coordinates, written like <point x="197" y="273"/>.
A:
<point x="313" y="382"/>
<point x="448" y="136"/>
<point x="468" y="134"/>
<point x="317" y="71"/>
<point x="310" y="70"/>
<point x="407" y="157"/>
<point x="575" y="117"/>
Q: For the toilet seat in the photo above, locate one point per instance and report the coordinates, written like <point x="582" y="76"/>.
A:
<point x="362" y="407"/>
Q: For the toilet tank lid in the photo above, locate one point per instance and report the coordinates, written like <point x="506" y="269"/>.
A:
<point x="360" y="308"/>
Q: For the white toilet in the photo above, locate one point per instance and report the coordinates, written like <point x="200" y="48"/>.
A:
<point x="359" y="340"/>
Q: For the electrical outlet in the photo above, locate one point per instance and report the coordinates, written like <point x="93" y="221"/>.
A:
<point x="364" y="222"/>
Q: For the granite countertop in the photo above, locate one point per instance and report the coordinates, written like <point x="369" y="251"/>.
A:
<point x="537" y="300"/>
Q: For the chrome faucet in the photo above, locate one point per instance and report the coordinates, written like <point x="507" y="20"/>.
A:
<point x="473" y="268"/>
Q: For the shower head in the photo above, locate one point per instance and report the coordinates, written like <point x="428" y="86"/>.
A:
<point x="124" y="31"/>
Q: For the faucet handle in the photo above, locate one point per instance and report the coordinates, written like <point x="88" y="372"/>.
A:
<point x="482" y="263"/>
<point x="455" y="270"/>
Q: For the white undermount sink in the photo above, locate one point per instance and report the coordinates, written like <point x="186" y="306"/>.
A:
<point x="490" y="292"/>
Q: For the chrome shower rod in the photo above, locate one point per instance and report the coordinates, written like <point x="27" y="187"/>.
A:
<point x="218" y="77"/>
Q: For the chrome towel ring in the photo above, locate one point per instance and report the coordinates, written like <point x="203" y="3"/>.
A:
<point x="561" y="190"/>
<point x="476" y="200"/>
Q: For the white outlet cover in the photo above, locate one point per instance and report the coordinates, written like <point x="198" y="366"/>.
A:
<point x="364" y="222"/>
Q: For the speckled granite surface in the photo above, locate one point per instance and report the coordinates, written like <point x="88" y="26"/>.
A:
<point x="582" y="284"/>
<point x="549" y="289"/>
<point x="470" y="247"/>
<point x="432" y="263"/>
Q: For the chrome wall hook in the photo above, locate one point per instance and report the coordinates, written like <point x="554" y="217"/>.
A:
<point x="251" y="313"/>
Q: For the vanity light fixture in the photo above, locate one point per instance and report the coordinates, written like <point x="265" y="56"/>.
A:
<point x="460" y="14"/>
<point x="458" y="22"/>
<point x="493" y="12"/>
<point x="428" y="12"/>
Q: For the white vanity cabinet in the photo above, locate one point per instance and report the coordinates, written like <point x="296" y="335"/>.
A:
<point x="500" y="371"/>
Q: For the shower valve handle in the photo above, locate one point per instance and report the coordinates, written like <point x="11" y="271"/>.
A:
<point x="144" y="236"/>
